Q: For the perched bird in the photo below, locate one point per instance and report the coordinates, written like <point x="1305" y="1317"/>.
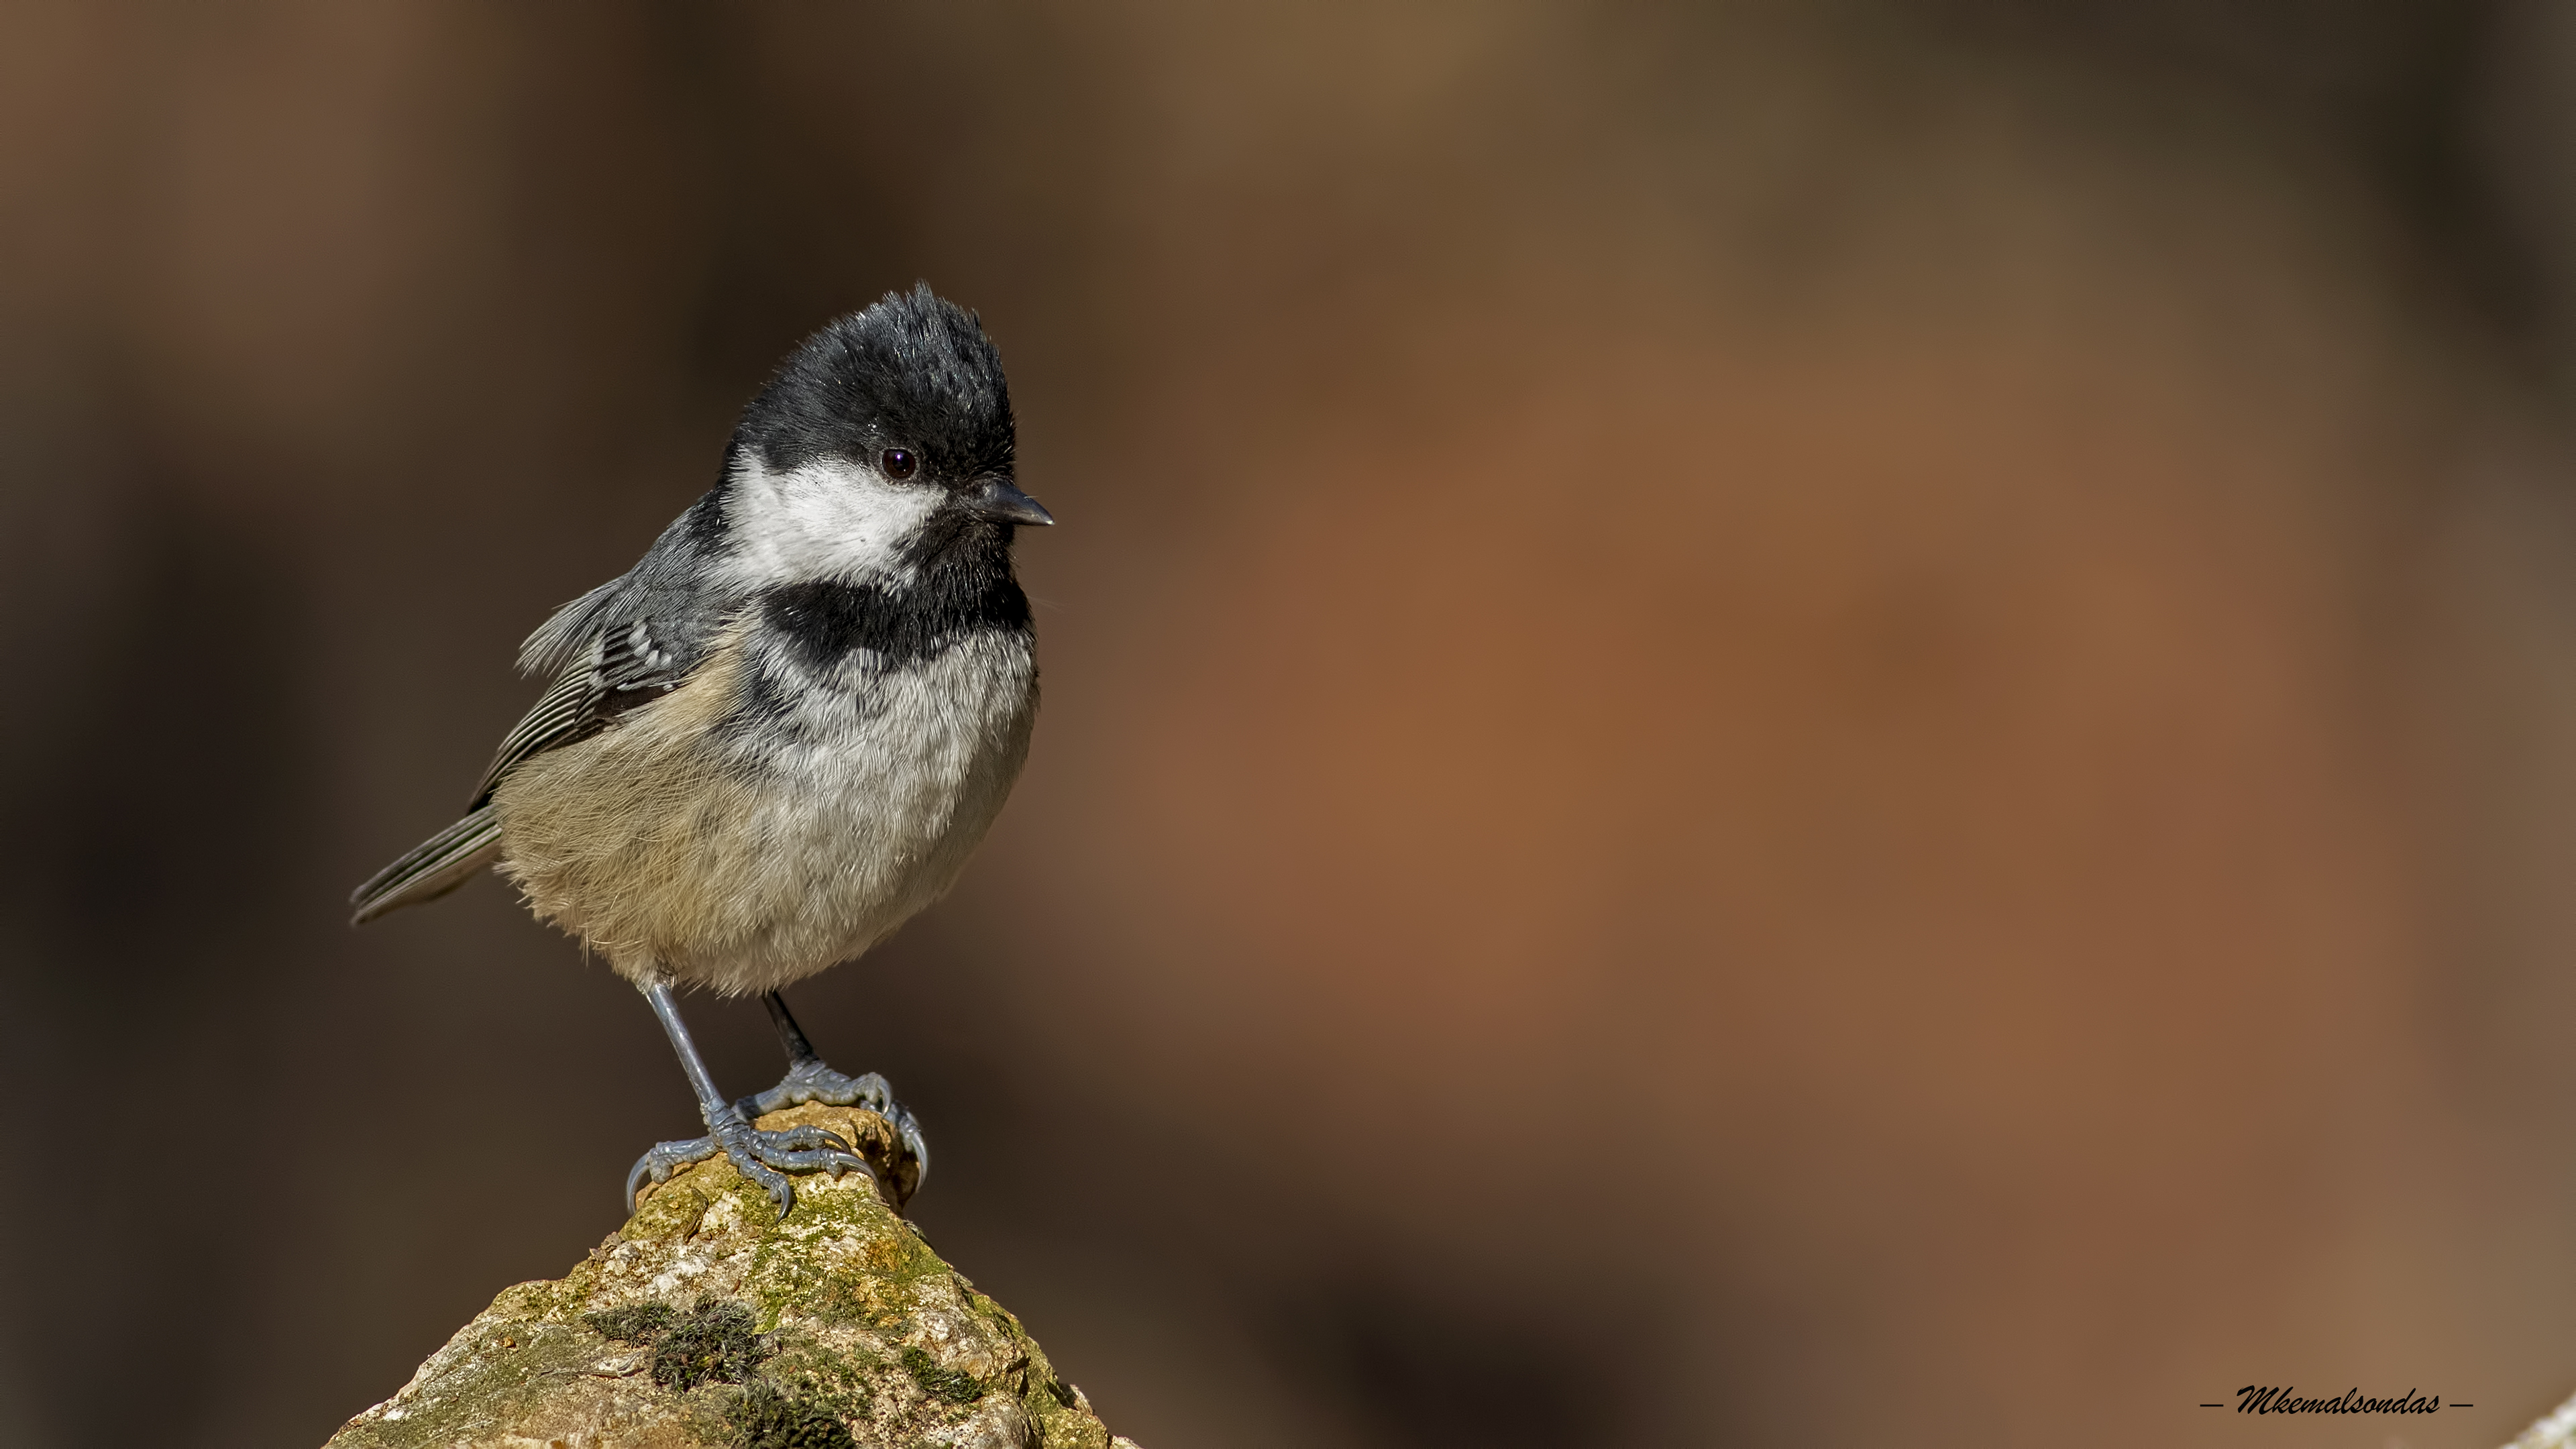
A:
<point x="781" y="733"/>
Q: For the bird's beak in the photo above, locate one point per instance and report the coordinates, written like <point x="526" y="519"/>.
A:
<point x="1002" y="503"/>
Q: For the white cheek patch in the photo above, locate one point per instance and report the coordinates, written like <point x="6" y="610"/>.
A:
<point x="822" y="520"/>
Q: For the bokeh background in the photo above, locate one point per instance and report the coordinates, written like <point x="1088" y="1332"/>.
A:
<point x="1825" y="722"/>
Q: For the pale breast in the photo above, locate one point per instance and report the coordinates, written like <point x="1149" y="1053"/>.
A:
<point x="763" y="821"/>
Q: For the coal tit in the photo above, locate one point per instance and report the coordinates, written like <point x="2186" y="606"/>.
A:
<point x="781" y="733"/>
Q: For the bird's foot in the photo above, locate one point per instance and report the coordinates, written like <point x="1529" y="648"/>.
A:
<point x="763" y="1157"/>
<point x="811" y="1081"/>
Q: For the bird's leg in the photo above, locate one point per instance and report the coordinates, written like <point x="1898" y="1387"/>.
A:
<point x="754" y="1153"/>
<point x="808" y="1080"/>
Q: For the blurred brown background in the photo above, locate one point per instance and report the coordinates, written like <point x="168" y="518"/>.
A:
<point x="1826" y="723"/>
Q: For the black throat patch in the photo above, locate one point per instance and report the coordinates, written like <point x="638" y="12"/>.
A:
<point x="962" y="586"/>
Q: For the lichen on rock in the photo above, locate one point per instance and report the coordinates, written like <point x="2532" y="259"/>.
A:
<point x="708" y="1321"/>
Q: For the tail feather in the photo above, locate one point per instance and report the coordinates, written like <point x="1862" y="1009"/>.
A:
<point x="432" y="868"/>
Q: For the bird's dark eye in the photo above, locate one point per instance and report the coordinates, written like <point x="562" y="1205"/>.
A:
<point x="898" y="462"/>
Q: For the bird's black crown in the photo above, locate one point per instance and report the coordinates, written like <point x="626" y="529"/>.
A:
<point x="913" y="371"/>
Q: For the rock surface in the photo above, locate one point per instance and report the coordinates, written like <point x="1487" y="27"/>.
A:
<point x="706" y="1321"/>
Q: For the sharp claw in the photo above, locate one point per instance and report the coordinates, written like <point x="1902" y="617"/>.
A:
<point x="909" y="1128"/>
<point x="781" y="1191"/>
<point x="804" y="1148"/>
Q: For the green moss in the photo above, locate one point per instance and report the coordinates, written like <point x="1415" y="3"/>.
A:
<point x="531" y="1301"/>
<point x="675" y="1211"/>
<point x="841" y="1381"/>
<point x="954" y="1385"/>
<point x="487" y="1387"/>
<point x="714" y="1342"/>
<point x="640" y="1323"/>
<point x="767" y="1417"/>
<point x="884" y="1260"/>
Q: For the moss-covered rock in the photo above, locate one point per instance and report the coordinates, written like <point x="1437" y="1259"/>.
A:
<point x="706" y="1321"/>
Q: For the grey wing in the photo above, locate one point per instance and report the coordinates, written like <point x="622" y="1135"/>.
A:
<point x="629" y="663"/>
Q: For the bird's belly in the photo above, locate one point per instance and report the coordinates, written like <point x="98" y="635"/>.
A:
<point x="743" y="849"/>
